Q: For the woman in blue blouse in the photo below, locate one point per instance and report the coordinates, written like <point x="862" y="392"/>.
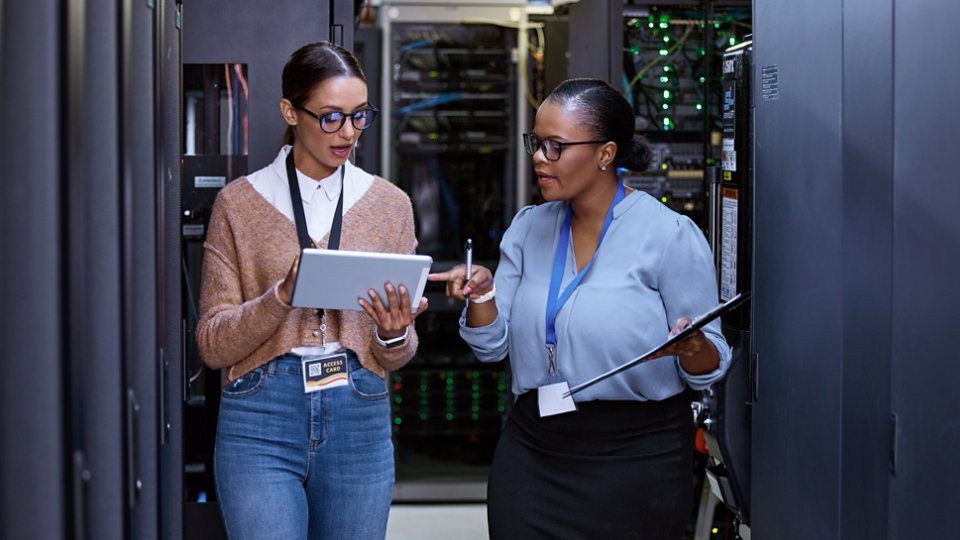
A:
<point x="589" y="280"/>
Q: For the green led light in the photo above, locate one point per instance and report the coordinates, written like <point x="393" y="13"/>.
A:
<point x="433" y="73"/>
<point x="663" y="52"/>
<point x="397" y="421"/>
<point x="702" y="51"/>
<point x="667" y="68"/>
<point x="634" y="49"/>
<point x="666" y="106"/>
<point x="449" y="416"/>
<point x="664" y="166"/>
<point x="664" y="79"/>
<point x="699" y="106"/>
<point x="664" y="199"/>
<point x="733" y="41"/>
<point x="475" y="416"/>
<point x="650" y="25"/>
<point x="423" y="388"/>
<point x="703" y="79"/>
<point x="423" y="416"/>
<point x="663" y="25"/>
<point x="666" y="94"/>
<point x="398" y="399"/>
<point x="500" y="408"/>
<point x="666" y="39"/>
<point x="398" y="379"/>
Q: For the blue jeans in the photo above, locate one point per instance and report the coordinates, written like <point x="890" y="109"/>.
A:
<point x="290" y="465"/>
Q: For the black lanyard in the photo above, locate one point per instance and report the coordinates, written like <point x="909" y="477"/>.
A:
<point x="302" y="234"/>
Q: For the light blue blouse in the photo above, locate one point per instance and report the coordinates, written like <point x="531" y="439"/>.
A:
<point x="653" y="267"/>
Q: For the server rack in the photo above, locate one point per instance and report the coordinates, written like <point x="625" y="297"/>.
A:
<point x="450" y="136"/>
<point x="672" y="54"/>
<point x="727" y="406"/>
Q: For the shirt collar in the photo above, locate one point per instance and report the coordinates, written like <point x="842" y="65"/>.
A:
<point x="309" y="188"/>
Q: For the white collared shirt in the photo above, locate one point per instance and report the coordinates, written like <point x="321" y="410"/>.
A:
<point x="319" y="196"/>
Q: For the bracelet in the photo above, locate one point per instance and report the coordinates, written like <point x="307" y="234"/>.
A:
<point x="485" y="297"/>
<point x="392" y="342"/>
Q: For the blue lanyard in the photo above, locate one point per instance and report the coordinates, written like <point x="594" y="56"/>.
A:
<point x="554" y="299"/>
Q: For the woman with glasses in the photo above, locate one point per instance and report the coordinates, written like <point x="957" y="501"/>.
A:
<point x="596" y="276"/>
<point x="303" y="445"/>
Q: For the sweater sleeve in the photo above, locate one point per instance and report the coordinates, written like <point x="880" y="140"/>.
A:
<point x="404" y="241"/>
<point x="231" y="327"/>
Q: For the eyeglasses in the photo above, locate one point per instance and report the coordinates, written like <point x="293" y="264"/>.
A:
<point x="551" y="148"/>
<point x="332" y="121"/>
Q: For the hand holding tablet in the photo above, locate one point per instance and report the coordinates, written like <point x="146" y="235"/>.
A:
<point x="337" y="279"/>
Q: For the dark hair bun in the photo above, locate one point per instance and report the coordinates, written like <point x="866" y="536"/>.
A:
<point x="638" y="155"/>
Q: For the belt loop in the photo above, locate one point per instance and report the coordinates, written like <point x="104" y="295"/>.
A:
<point x="270" y="368"/>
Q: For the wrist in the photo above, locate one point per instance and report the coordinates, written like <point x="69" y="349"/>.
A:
<point x="390" y="342"/>
<point x="485" y="297"/>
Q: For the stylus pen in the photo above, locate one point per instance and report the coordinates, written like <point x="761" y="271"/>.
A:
<point x="468" y="247"/>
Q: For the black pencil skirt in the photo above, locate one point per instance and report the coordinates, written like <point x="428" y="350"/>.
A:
<point x="611" y="470"/>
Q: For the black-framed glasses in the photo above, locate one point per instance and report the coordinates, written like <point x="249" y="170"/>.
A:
<point x="332" y="121"/>
<point x="551" y="148"/>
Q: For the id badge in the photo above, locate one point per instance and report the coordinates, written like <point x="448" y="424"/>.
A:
<point x="550" y="397"/>
<point x="323" y="369"/>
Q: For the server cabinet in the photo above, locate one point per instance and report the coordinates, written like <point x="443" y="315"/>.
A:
<point x="798" y="306"/>
<point x="170" y="329"/>
<point x="36" y="469"/>
<point x="450" y="136"/>
<point x="727" y="404"/>
<point x="79" y="269"/>
<point x="925" y="259"/>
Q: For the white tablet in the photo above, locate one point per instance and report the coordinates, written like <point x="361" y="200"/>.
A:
<point x="335" y="279"/>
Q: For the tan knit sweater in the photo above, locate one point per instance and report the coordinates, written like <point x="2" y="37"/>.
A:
<point x="249" y="248"/>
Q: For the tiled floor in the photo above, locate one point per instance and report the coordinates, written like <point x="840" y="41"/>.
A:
<point x="437" y="522"/>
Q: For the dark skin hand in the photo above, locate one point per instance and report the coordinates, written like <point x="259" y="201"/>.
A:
<point x="458" y="287"/>
<point x="392" y="320"/>
<point x="697" y="353"/>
